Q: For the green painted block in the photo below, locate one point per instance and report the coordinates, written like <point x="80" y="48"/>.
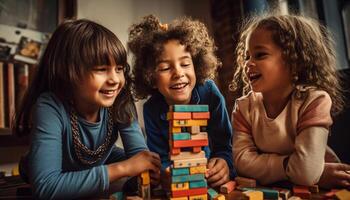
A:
<point x="268" y="193"/>
<point x="181" y="136"/>
<point x="212" y="193"/>
<point x="187" y="178"/>
<point x="198" y="184"/>
<point x="180" y="171"/>
<point x="189" y="108"/>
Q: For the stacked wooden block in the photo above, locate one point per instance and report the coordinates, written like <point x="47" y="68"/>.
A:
<point x="144" y="183"/>
<point x="187" y="136"/>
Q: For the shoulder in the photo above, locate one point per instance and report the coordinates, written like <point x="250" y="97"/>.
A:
<point x="48" y="99"/>
<point x="311" y="97"/>
<point x="248" y="100"/>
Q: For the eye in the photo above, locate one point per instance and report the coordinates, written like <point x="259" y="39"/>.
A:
<point x="119" y="68"/>
<point x="185" y="64"/>
<point x="100" y="68"/>
<point x="162" y="68"/>
<point x="260" y="55"/>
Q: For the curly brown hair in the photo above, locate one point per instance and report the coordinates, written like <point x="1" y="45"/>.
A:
<point x="146" y="41"/>
<point x="307" y="47"/>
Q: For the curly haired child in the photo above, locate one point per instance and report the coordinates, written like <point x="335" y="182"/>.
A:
<point x="75" y="106"/>
<point x="172" y="65"/>
<point x="288" y="67"/>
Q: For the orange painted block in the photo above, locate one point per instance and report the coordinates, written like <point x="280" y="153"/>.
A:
<point x="175" y="151"/>
<point x="198" y="170"/>
<point x="179" y="198"/>
<point x="189" y="122"/>
<point x="200" y="115"/>
<point x="196" y="149"/>
<point x="245" y="182"/>
<point x="195" y="129"/>
<point x="189" y="143"/>
<point x="198" y="197"/>
<point x="302" y="192"/>
<point x="190" y="162"/>
<point x="145" y="178"/>
<point x="178" y="115"/>
<point x="343" y="194"/>
<point x="228" y="187"/>
<point x="190" y="192"/>
<point x="187" y="155"/>
<point x="174" y="129"/>
<point x="219" y="197"/>
<point x="199" y="136"/>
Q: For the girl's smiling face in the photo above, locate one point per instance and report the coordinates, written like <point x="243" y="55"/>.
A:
<point x="175" y="77"/>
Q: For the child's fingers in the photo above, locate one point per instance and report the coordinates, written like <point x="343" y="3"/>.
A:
<point x="343" y="167"/>
<point x="218" y="179"/>
<point x="212" y="167"/>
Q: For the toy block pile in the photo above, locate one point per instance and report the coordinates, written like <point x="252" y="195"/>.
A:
<point x="187" y="136"/>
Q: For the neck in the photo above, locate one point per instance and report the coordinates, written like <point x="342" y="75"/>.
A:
<point x="90" y="115"/>
<point x="275" y="102"/>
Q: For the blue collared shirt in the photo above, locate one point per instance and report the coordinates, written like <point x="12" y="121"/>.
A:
<point x="219" y="127"/>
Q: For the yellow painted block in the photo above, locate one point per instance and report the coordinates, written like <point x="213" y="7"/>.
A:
<point x="174" y="129"/>
<point x="145" y="178"/>
<point x="179" y="198"/>
<point x="199" y="197"/>
<point x="343" y="194"/>
<point x="198" y="170"/>
<point x="180" y="186"/>
<point x="220" y="197"/>
<point x="190" y="122"/>
<point x="15" y="171"/>
<point x="254" y="195"/>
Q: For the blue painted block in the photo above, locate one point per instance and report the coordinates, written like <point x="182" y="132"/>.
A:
<point x="212" y="193"/>
<point x="189" y="108"/>
<point x="187" y="178"/>
<point x="181" y="136"/>
<point x="198" y="184"/>
<point x="180" y="171"/>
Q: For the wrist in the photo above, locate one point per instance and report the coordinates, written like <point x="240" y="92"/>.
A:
<point x="117" y="171"/>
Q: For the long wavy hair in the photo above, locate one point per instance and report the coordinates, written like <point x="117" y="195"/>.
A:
<point x="74" y="49"/>
<point x="307" y="47"/>
<point x="146" y="41"/>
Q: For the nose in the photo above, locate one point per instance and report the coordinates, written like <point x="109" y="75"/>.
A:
<point x="178" y="71"/>
<point x="114" y="77"/>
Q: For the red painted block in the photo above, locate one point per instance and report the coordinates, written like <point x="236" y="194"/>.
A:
<point x="196" y="149"/>
<point x="189" y="143"/>
<point x="302" y="192"/>
<point x="200" y="115"/>
<point x="190" y="192"/>
<point x="175" y="151"/>
<point x="228" y="187"/>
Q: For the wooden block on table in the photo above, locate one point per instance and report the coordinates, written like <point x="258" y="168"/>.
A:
<point x="198" y="184"/>
<point x="189" y="192"/>
<point x="200" y="136"/>
<point x="219" y="197"/>
<point x="198" y="170"/>
<point x="180" y="186"/>
<point x="178" y="115"/>
<point x="212" y="193"/>
<point x="227" y="187"/>
<point x="302" y="192"/>
<point x="269" y="193"/>
<point x="189" y="122"/>
<point x="343" y="194"/>
<point x="254" y="194"/>
<point x="195" y="129"/>
<point x="190" y="162"/>
<point x="283" y="193"/>
<point x="245" y="182"/>
<point x="187" y="155"/>
<point x="181" y="136"/>
<point x="198" y="197"/>
<point x="330" y="194"/>
<point x="294" y="198"/>
<point x="200" y="115"/>
<point x="314" y="189"/>
<point x="180" y="171"/>
<point x="179" y="198"/>
<point x="189" y="143"/>
<point x="189" y="108"/>
<point x="187" y="178"/>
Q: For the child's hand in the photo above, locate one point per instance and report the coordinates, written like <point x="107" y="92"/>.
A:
<point x="218" y="172"/>
<point x="141" y="162"/>
<point x="155" y="177"/>
<point x="335" y="175"/>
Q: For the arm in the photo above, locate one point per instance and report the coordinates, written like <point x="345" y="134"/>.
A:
<point x="46" y="159"/>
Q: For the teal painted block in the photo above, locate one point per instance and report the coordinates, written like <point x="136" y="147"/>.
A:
<point x="198" y="184"/>
<point x="187" y="178"/>
<point x="117" y="195"/>
<point x="189" y="108"/>
<point x="181" y="136"/>
<point x="269" y="194"/>
<point x="180" y="171"/>
<point x="212" y="193"/>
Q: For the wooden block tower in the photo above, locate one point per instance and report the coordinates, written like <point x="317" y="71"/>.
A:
<point x="187" y="136"/>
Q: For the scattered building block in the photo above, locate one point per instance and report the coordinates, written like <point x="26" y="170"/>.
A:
<point x="314" y="189"/>
<point x="330" y="194"/>
<point x="190" y="192"/>
<point x="294" y="198"/>
<point x="189" y="122"/>
<point x="198" y="197"/>
<point x="254" y="195"/>
<point x="219" y="197"/>
<point x="302" y="192"/>
<point x="179" y="198"/>
<point x="180" y="186"/>
<point x="116" y="196"/>
<point x="200" y="115"/>
<point x="178" y="115"/>
<point x="187" y="178"/>
<point x="343" y="194"/>
<point x="198" y="184"/>
<point x="227" y="187"/>
<point x="199" y="136"/>
<point x="198" y="170"/>
<point x="245" y="182"/>
<point x="212" y="193"/>
<point x="190" y="162"/>
<point x="189" y="143"/>
<point x="180" y="171"/>
<point x="189" y="108"/>
<point x="269" y="193"/>
<point x="283" y="193"/>
<point x="187" y="155"/>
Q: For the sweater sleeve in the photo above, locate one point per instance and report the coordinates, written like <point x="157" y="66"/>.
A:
<point x="46" y="174"/>
<point x="264" y="167"/>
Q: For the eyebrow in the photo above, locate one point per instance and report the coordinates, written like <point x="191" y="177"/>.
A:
<point x="181" y="58"/>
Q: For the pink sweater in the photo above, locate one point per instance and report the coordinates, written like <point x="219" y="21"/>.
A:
<point x="300" y="132"/>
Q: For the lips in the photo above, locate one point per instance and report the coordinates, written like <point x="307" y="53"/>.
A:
<point x="178" y="86"/>
<point x="253" y="76"/>
<point x="108" y="92"/>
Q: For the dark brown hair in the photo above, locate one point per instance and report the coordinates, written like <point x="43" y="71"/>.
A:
<point x="307" y="47"/>
<point x="146" y="40"/>
<point x="74" y="49"/>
